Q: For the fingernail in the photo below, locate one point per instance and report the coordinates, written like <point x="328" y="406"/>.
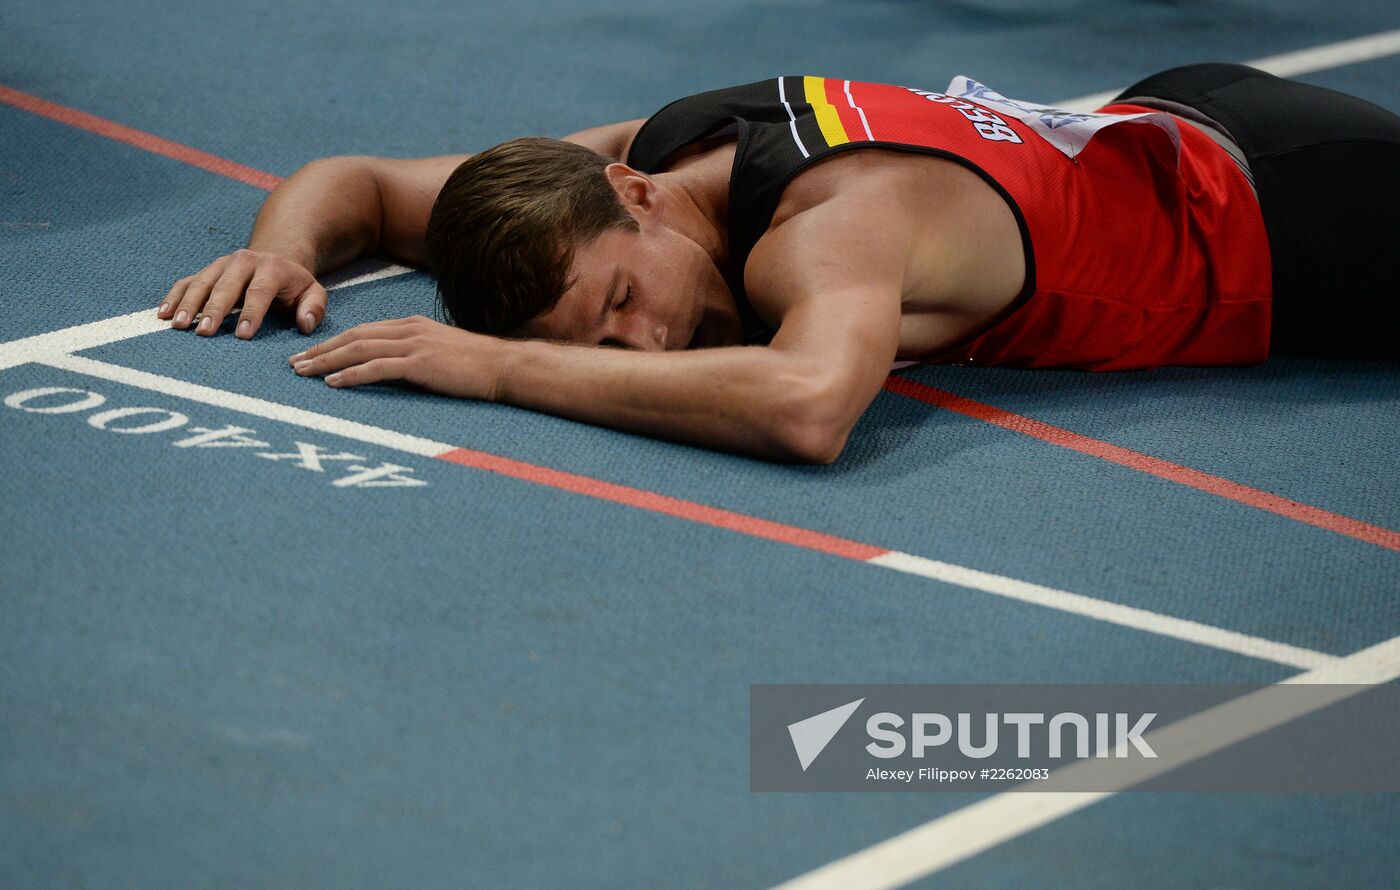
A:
<point x="309" y="320"/>
<point x="206" y="324"/>
<point x="244" y="327"/>
<point x="334" y="378"/>
<point x="298" y="357"/>
<point x="163" y="307"/>
<point x="181" y="316"/>
<point x="302" y="366"/>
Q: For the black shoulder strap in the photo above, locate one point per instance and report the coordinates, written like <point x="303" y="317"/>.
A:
<point x="693" y="118"/>
<point x="765" y="159"/>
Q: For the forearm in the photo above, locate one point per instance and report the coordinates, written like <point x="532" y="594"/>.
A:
<point x="323" y="216"/>
<point x="749" y="399"/>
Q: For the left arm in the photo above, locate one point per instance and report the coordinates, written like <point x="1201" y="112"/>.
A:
<point x="834" y="287"/>
<point x="758" y="400"/>
<point x="754" y="400"/>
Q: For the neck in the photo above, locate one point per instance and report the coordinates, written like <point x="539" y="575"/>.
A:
<point x="699" y="193"/>
<point x="701" y="214"/>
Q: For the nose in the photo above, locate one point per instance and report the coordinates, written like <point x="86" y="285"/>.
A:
<point x="646" y="336"/>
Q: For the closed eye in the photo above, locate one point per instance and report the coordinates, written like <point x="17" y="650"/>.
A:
<point x="625" y="300"/>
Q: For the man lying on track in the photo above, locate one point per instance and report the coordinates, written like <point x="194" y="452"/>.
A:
<point x="760" y="275"/>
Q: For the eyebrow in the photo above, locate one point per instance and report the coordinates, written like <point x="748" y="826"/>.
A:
<point x="611" y="295"/>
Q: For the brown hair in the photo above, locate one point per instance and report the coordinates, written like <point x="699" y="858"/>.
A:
<point x="502" y="233"/>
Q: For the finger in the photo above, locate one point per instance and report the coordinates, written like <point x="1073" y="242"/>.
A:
<point x="227" y="291"/>
<point x="372" y="371"/>
<point x="381" y="330"/>
<point x="354" y="352"/>
<point x="167" y="305"/>
<point x="267" y="287"/>
<point x="311" y="308"/>
<point x="196" y="291"/>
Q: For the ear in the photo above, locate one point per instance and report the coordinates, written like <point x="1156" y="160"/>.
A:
<point x="636" y="190"/>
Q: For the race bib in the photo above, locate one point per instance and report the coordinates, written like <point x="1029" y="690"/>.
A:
<point x="1067" y="131"/>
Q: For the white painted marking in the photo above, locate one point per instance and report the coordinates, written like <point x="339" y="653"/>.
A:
<point x="960" y="835"/>
<point x="144" y="321"/>
<point x="1331" y="55"/>
<point x="1112" y="613"/>
<point x="385" y="475"/>
<point x="309" y="457"/>
<point x="361" y="272"/>
<point x="102" y="420"/>
<point x="79" y="337"/>
<point x="228" y="436"/>
<point x="1303" y="61"/>
<point x="792" y="119"/>
<point x="21" y="400"/>
<point x="348" y="429"/>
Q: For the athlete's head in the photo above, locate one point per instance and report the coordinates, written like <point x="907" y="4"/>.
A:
<point x="546" y="239"/>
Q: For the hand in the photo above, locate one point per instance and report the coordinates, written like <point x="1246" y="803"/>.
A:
<point x="418" y="350"/>
<point x="257" y="278"/>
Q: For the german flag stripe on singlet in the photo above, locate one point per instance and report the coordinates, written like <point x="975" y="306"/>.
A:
<point x="822" y="113"/>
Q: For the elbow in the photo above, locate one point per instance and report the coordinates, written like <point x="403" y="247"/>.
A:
<point x="816" y="426"/>
<point x="815" y="445"/>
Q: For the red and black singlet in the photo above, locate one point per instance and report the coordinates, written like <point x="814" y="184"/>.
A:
<point x="1144" y="243"/>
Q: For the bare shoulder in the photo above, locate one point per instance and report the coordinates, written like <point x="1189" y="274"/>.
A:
<point x="926" y="228"/>
<point x="828" y="239"/>
<point x="829" y="278"/>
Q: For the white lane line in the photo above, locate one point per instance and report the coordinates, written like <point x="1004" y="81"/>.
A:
<point x="1112" y="613"/>
<point x="83" y="336"/>
<point x="973" y="579"/>
<point x="144" y="321"/>
<point x="362" y="272"/>
<point x="312" y="420"/>
<point x="960" y="835"/>
<point x="1331" y="55"/>
<point x="1303" y="61"/>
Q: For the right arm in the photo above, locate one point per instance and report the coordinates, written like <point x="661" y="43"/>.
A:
<point x="323" y="216"/>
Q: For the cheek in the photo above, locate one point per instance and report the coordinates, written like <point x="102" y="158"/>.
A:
<point x="694" y="273"/>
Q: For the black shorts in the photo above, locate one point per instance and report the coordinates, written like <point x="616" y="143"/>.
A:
<point x="1327" y="167"/>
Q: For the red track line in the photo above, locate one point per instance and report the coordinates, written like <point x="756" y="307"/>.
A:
<point x="1164" y="469"/>
<point x="84" y="121"/>
<point x="1353" y="528"/>
<point x="660" y="503"/>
